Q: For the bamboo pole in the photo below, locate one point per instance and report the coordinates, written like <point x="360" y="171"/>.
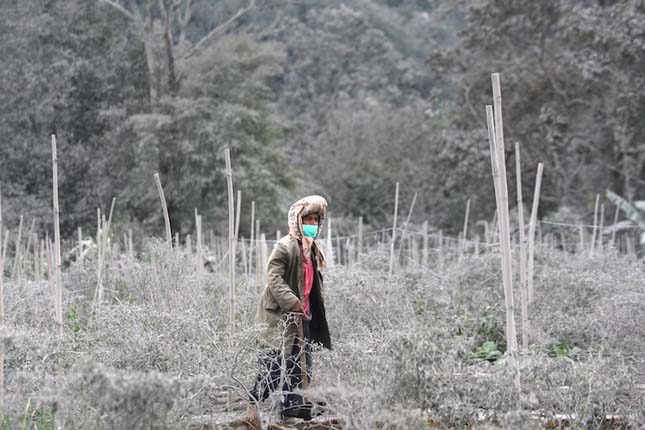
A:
<point x="252" y="241"/>
<point x="359" y="251"/>
<point x="3" y="255"/>
<point x="330" y="246"/>
<point x="80" y="245"/>
<point x="613" y="233"/>
<point x="189" y="248"/>
<point x="426" y="239"/>
<point x="99" y="228"/>
<point x="263" y="241"/>
<point x="258" y="256"/>
<point x="200" y="247"/>
<point x="130" y="244"/>
<point x="23" y="255"/>
<point x="237" y="221"/>
<point x="37" y="257"/>
<point x="164" y="208"/>
<point x="520" y="218"/>
<point x="582" y="238"/>
<point x="57" y="255"/>
<point x="396" y="209"/>
<point x="98" y="297"/>
<point x="405" y="226"/>
<point x="595" y="224"/>
<point x="505" y="239"/>
<point x="464" y="231"/>
<point x="231" y="249"/>
<point x="16" y="258"/>
<point x="601" y="227"/>
<point x="532" y="223"/>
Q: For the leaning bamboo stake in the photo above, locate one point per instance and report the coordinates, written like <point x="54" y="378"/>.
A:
<point x="520" y="218"/>
<point x="532" y="223"/>
<point x="464" y="232"/>
<point x="405" y="226"/>
<point x="396" y="209"/>
<point x="164" y="207"/>
<point x="57" y="255"/>
<point x="595" y="224"/>
<point x="505" y="239"/>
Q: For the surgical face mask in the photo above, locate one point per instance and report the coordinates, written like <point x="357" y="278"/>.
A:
<point x="310" y="230"/>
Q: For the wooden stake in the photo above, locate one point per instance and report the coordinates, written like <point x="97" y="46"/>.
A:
<point x="396" y="210"/>
<point x="426" y="240"/>
<point x="80" y="245"/>
<point x="602" y="222"/>
<point x="532" y="223"/>
<point x="164" y="208"/>
<point x="359" y="251"/>
<point x="252" y="242"/>
<point x="57" y="255"/>
<point x="258" y="256"/>
<point x="199" y="245"/>
<point x="613" y="233"/>
<point x="595" y="224"/>
<point x="405" y="226"/>
<point x="520" y="218"/>
<point x="231" y="250"/>
<point x="98" y="297"/>
<point x="16" y="259"/>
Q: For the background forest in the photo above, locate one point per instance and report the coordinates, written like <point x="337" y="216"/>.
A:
<point x="341" y="98"/>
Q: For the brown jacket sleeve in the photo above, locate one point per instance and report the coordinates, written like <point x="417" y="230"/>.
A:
<point x="276" y="284"/>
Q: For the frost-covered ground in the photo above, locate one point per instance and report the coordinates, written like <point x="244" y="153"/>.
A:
<point x="414" y="350"/>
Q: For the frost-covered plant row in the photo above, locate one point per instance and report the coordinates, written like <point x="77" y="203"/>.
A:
<point x="418" y="349"/>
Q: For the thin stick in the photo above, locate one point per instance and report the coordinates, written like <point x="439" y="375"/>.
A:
<point x="359" y="251"/>
<point x="520" y="218"/>
<point x="98" y="297"/>
<point x="396" y="210"/>
<point x="613" y="233"/>
<point x="59" y="282"/>
<point x="130" y="244"/>
<point x="602" y="222"/>
<point x="405" y="226"/>
<point x="464" y="235"/>
<point x="251" y="242"/>
<point x="200" y="249"/>
<point x="80" y="245"/>
<point x="329" y="245"/>
<point x="595" y="223"/>
<point x="258" y="256"/>
<point x="16" y="259"/>
<point x="164" y="207"/>
<point x="532" y="223"/>
<point x="426" y="239"/>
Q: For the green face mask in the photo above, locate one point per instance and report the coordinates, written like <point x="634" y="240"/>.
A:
<point x="310" y="230"/>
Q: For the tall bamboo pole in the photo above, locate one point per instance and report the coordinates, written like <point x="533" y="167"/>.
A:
<point x="104" y="244"/>
<point x="258" y="256"/>
<point x="396" y="210"/>
<point x="251" y="242"/>
<point x="504" y="226"/>
<point x="80" y="245"/>
<point x="520" y="218"/>
<point x="57" y="255"/>
<point x="426" y="239"/>
<point x="532" y="223"/>
<point x="407" y="222"/>
<point x="231" y="249"/>
<point x="164" y="207"/>
<point x="199" y="245"/>
<point x="464" y="236"/>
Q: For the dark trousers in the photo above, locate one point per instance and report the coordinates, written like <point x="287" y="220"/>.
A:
<point x="270" y="364"/>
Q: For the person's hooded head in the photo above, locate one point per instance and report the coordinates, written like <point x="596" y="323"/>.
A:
<point x="305" y="208"/>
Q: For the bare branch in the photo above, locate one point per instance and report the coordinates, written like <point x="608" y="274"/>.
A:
<point x="220" y="28"/>
<point x="120" y="8"/>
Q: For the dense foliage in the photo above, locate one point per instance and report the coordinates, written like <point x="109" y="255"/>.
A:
<point x="341" y="98"/>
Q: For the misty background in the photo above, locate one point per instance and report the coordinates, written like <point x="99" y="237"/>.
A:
<point x="338" y="98"/>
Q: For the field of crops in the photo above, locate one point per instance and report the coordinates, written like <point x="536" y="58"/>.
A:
<point x="421" y="348"/>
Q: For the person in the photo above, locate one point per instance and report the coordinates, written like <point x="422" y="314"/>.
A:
<point x="291" y="309"/>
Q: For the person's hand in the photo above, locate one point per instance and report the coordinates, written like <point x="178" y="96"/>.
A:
<point x="298" y="308"/>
